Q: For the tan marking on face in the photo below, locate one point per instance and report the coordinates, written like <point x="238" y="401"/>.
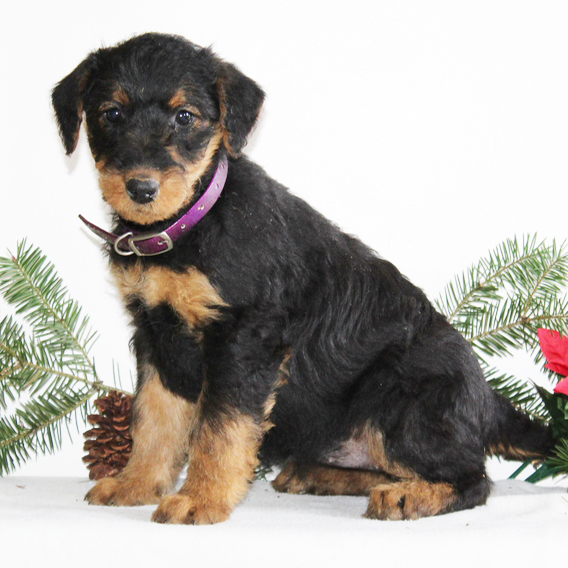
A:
<point x="175" y="155"/>
<point x="179" y="101"/>
<point x="189" y="293"/>
<point x="120" y="96"/>
<point x="142" y="173"/>
<point x="161" y="427"/>
<point x="177" y="187"/>
<point x="224" y="112"/>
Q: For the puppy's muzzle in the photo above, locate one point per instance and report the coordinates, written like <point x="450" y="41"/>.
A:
<point x="142" y="190"/>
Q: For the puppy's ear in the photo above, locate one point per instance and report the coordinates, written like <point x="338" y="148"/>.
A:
<point x="67" y="99"/>
<point x="240" y="101"/>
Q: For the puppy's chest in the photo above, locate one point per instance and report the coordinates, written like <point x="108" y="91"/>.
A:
<point x="190" y="293"/>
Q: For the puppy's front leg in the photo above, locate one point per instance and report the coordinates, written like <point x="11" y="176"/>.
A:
<point x="161" y="421"/>
<point x="221" y="465"/>
<point x="231" y="419"/>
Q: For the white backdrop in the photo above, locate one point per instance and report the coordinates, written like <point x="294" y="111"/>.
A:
<point x="431" y="129"/>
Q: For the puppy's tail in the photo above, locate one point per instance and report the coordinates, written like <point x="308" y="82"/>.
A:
<point x="515" y="436"/>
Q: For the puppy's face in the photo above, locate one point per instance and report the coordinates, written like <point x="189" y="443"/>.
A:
<point x="158" y="109"/>
<point x="152" y="139"/>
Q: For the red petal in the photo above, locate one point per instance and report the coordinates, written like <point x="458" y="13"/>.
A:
<point x="562" y="387"/>
<point x="555" y="349"/>
<point x="558" y="368"/>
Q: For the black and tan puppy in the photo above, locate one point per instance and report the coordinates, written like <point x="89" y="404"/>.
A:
<point x="263" y="333"/>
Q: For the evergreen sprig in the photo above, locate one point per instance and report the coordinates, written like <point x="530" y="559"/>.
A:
<point x="47" y="377"/>
<point x="498" y="305"/>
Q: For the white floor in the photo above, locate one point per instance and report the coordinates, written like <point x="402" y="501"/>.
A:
<point x="45" y="522"/>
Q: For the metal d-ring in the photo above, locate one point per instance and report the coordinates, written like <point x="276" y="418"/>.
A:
<point x="118" y="241"/>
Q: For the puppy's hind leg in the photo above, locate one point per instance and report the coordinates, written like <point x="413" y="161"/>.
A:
<point x="422" y="422"/>
<point x="451" y="483"/>
<point x="318" y="479"/>
<point x="161" y="424"/>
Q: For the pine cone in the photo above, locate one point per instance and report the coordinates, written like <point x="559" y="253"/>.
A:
<point x="109" y="443"/>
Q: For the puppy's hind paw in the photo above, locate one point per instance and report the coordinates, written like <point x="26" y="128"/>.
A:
<point x="409" y="500"/>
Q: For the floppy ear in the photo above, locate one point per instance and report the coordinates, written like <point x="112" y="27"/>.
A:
<point x="240" y="100"/>
<point x="67" y="99"/>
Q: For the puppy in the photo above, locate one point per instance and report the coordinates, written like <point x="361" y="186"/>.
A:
<point x="263" y="334"/>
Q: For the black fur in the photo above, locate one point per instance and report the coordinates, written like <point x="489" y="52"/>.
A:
<point x="365" y="346"/>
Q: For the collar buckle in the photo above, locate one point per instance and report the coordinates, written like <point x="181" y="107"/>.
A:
<point x="161" y="239"/>
<point x="152" y="244"/>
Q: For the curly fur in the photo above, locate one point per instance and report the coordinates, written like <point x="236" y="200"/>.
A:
<point x="292" y="342"/>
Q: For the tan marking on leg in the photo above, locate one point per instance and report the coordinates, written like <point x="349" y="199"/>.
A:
<point x="283" y="375"/>
<point x="410" y="500"/>
<point x="283" y="370"/>
<point x="326" y="480"/>
<point x="222" y="460"/>
<point x="365" y="449"/>
<point x="161" y="425"/>
<point x="377" y="454"/>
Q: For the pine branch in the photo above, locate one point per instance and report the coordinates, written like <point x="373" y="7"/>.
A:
<point x="36" y="427"/>
<point x="30" y="283"/>
<point x="46" y="374"/>
<point x="498" y="305"/>
<point x="478" y="284"/>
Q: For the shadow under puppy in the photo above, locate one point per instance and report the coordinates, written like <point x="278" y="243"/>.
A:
<point x="262" y="332"/>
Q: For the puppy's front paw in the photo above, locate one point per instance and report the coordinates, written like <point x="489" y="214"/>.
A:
<point x="119" y="491"/>
<point x="184" y="510"/>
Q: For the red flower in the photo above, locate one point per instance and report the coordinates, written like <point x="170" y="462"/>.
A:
<point x="555" y="349"/>
<point x="562" y="387"/>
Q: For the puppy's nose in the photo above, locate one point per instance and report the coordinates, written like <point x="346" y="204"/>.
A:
<point x="142" y="190"/>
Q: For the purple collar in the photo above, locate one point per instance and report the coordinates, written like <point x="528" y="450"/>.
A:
<point x="151" y="244"/>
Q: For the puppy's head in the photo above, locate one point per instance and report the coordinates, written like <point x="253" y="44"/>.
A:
<point x="157" y="108"/>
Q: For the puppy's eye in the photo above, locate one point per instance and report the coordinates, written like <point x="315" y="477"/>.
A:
<point x="113" y="114"/>
<point x="184" y="118"/>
